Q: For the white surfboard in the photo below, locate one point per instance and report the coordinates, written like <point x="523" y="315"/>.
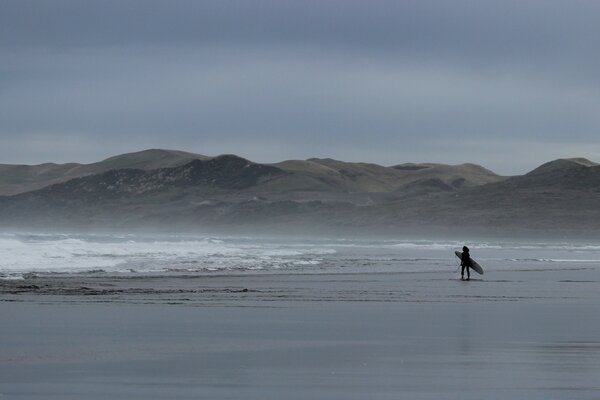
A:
<point x="476" y="267"/>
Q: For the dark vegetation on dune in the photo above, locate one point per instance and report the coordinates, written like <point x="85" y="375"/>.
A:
<point x="173" y="190"/>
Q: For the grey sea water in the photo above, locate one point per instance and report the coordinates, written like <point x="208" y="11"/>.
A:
<point x="27" y="253"/>
<point x="139" y="317"/>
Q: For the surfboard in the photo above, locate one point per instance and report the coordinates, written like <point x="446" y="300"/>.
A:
<point x="474" y="266"/>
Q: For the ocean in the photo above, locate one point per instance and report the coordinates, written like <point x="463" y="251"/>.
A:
<point x="38" y="253"/>
<point x="221" y="317"/>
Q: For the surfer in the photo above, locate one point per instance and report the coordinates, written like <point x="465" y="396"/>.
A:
<point x="465" y="262"/>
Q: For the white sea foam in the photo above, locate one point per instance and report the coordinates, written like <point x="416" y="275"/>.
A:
<point x="126" y="254"/>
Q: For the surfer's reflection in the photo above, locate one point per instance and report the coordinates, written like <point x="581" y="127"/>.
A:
<point x="465" y="263"/>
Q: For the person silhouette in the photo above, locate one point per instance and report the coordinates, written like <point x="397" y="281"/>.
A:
<point x="465" y="262"/>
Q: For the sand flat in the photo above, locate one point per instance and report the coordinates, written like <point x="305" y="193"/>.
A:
<point x="337" y="336"/>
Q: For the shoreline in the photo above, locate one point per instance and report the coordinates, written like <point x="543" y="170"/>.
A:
<point x="537" y="286"/>
<point x="528" y="334"/>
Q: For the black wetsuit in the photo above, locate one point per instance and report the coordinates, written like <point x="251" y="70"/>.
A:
<point x="465" y="262"/>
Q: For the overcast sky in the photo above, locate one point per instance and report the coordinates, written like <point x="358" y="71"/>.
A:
<point x="505" y="84"/>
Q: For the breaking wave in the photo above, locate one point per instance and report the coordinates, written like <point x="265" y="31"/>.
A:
<point x="28" y="253"/>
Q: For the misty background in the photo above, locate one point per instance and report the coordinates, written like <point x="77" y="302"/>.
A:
<point x="505" y="84"/>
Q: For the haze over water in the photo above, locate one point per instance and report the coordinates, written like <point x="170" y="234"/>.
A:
<point x="37" y="253"/>
<point x="231" y="317"/>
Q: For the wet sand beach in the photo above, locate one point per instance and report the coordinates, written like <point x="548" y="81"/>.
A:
<point x="526" y="335"/>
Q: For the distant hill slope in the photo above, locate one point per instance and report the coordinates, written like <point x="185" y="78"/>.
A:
<point x="561" y="194"/>
<point x="220" y="174"/>
<point x="561" y="166"/>
<point x="119" y="195"/>
<point x="313" y="175"/>
<point x="455" y="176"/>
<point x="314" y="195"/>
<point x="562" y="175"/>
<point x="329" y="174"/>
<point x="332" y="175"/>
<point x="149" y="159"/>
<point x="16" y="179"/>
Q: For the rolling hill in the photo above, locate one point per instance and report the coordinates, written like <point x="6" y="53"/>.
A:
<point x="16" y="179"/>
<point x="313" y="175"/>
<point x="232" y="193"/>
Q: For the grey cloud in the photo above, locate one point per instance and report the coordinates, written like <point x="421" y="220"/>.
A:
<point x="380" y="81"/>
<point x="479" y="29"/>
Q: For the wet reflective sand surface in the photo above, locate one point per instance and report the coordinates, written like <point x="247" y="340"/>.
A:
<point x="517" y="335"/>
